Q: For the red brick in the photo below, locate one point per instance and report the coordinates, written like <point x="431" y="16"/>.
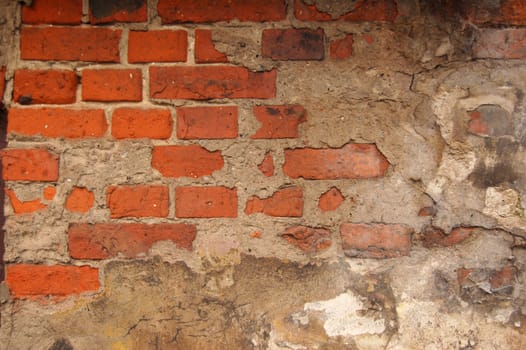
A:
<point x="427" y="211"/>
<point x="25" y="207"/>
<point x="341" y="48"/>
<point x="279" y="122"/>
<point x="433" y="237"/>
<point x="293" y="44"/>
<point x="104" y="11"/>
<point x="45" y="86"/>
<point x="207" y="122"/>
<point x="205" y="202"/>
<point x="138" y="201"/>
<point x="134" y="123"/>
<point x="186" y="161"/>
<point x="70" y="44"/>
<point x="205" y="51"/>
<point x="102" y="241"/>
<point x="111" y="85"/>
<point x="53" y="12"/>
<point x="57" y="122"/>
<point x="508" y="12"/>
<point x="49" y="193"/>
<point x="203" y="11"/>
<point x="287" y="202"/>
<point x="203" y="83"/>
<point x="157" y="46"/>
<point x="375" y="240"/>
<point x="503" y="278"/>
<point x="53" y="280"/>
<point x="349" y="162"/>
<point x="490" y="120"/>
<point x="331" y="200"/>
<point x="267" y="165"/>
<point x="370" y="10"/>
<point x="507" y="43"/>
<point x="308" y="239"/>
<point x="29" y="165"/>
<point x="80" y="200"/>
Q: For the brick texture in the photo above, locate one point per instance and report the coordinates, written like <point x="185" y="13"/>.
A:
<point x="341" y="48"/>
<point x="29" y="165"/>
<point x="186" y="161"/>
<point x="26" y="280"/>
<point x="287" y="202"/>
<point x="204" y="83"/>
<point x="137" y="201"/>
<point x="279" y="122"/>
<point x="45" y="86"/>
<point x="205" y="51"/>
<point x="267" y="165"/>
<point x="103" y="11"/>
<point x="205" y="202"/>
<point x="24" y="207"/>
<point x="102" y="241"/>
<point x="349" y="162"/>
<point x="331" y="200"/>
<point x="70" y="44"/>
<point x="157" y="46"/>
<point x="308" y="239"/>
<point x="112" y="85"/>
<point x="207" y="122"/>
<point x="53" y="12"/>
<point x="375" y="240"/>
<point x="80" y="200"/>
<point x="203" y="11"/>
<point x="57" y="122"/>
<point x="370" y="10"/>
<point x="134" y="123"/>
<point x="293" y="44"/>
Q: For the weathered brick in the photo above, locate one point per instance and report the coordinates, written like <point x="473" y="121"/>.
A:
<point x="57" y="122"/>
<point x="508" y="12"/>
<point x="208" y="122"/>
<point x="157" y="46"/>
<point x="509" y="43"/>
<point x="267" y="165"/>
<point x="80" y="200"/>
<point x="331" y="200"/>
<point x="2" y="82"/>
<point x="375" y="240"/>
<point x="104" y="11"/>
<point x="49" y="193"/>
<point x="287" y="202"/>
<point x="26" y="280"/>
<point x="186" y="161"/>
<point x="70" y="44"/>
<point x="53" y="12"/>
<point x="45" y="86"/>
<point x="205" y="51"/>
<point x="111" y="85"/>
<point x="341" y="48"/>
<point x="205" y="202"/>
<point x="370" y="10"/>
<point x="209" y="82"/>
<point x="279" y="122"/>
<point x="490" y="120"/>
<point x="134" y="123"/>
<point x="29" y="165"/>
<point x="102" y="241"/>
<point x="308" y="239"/>
<point x="433" y="237"/>
<point x="293" y="44"/>
<point x="24" y="207"/>
<point x="349" y="162"/>
<point x="137" y="201"/>
<point x="203" y="11"/>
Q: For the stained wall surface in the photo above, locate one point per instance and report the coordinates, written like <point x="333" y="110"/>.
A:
<point x="280" y="174"/>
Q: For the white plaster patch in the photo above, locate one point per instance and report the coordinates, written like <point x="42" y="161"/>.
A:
<point x="502" y="202"/>
<point x="342" y="316"/>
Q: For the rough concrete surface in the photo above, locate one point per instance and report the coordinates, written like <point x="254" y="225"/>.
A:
<point x="411" y="91"/>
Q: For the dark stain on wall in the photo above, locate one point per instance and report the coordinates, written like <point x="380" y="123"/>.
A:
<point x="105" y="8"/>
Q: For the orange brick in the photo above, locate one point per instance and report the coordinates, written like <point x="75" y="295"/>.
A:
<point x="111" y="85"/>
<point x="207" y="122"/>
<point x="205" y="51"/>
<point x="57" y="122"/>
<point x="331" y="200"/>
<point x="186" y="161"/>
<point x="53" y="12"/>
<point x="205" y="202"/>
<point x="341" y="48"/>
<point x="375" y="240"/>
<point x="45" y="86"/>
<point x="279" y="122"/>
<point x="29" y="165"/>
<point x="134" y="123"/>
<point x="104" y="11"/>
<point x="287" y="202"/>
<point x="267" y="165"/>
<point x="26" y="207"/>
<point x="138" y="201"/>
<point x="80" y="200"/>
<point x="157" y="46"/>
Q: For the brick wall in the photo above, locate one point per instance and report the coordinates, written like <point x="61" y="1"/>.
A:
<point x="189" y="130"/>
